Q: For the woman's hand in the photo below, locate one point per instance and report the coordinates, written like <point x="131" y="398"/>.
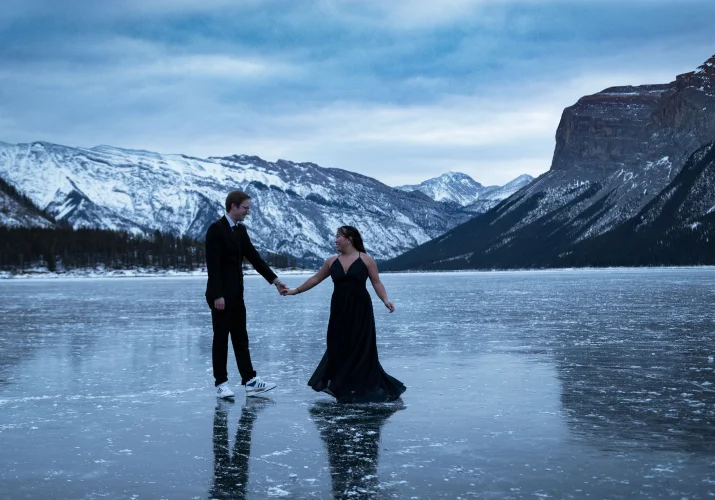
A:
<point x="289" y="291"/>
<point x="389" y="305"/>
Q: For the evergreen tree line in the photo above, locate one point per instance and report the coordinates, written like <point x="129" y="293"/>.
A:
<point x="66" y="248"/>
<point x="278" y="260"/>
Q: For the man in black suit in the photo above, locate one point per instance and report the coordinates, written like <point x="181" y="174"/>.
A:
<point x="227" y="243"/>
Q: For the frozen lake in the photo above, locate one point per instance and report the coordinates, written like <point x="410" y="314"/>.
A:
<point x="545" y="384"/>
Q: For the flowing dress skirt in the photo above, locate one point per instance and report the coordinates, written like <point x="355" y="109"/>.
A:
<point x="350" y="369"/>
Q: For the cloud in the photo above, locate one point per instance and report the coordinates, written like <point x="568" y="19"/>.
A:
<point x="453" y="123"/>
<point x="83" y="10"/>
<point x="120" y="60"/>
<point x="210" y="66"/>
<point x="406" y="14"/>
<point x="400" y="91"/>
<point x="493" y="134"/>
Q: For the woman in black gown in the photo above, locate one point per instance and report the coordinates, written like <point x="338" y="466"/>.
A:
<point x="350" y="369"/>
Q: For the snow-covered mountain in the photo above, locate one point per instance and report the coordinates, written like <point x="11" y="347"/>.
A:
<point x="492" y="195"/>
<point x="18" y="212"/>
<point x="296" y="206"/>
<point x="462" y="190"/>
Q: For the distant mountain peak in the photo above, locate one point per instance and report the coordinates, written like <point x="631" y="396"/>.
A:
<point x="459" y="188"/>
<point x="522" y="177"/>
<point x="455" y="175"/>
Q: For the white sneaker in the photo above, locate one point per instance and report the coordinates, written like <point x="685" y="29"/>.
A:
<point x="224" y="391"/>
<point x="257" y="386"/>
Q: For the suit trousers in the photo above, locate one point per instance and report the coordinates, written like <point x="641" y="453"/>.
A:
<point x="231" y="322"/>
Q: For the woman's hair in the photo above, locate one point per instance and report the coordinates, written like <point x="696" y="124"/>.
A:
<point x="353" y="235"/>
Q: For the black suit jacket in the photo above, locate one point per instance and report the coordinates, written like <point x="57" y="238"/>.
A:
<point x="225" y="250"/>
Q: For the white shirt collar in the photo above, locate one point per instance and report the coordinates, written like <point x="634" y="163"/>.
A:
<point x="231" y="223"/>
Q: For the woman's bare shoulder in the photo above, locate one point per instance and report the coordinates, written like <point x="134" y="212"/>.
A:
<point x="367" y="258"/>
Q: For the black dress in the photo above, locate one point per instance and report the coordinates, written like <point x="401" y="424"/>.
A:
<point x="350" y="369"/>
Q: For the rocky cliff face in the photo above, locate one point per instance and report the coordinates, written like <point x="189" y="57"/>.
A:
<point x="598" y="135"/>
<point x="684" y="118"/>
<point x="615" y="152"/>
<point x="624" y="145"/>
<point x="627" y="127"/>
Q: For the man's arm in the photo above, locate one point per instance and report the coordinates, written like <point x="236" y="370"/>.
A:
<point x="250" y="252"/>
<point x="314" y="280"/>
<point x="213" y="261"/>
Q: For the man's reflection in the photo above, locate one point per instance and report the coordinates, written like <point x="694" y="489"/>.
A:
<point x="351" y="434"/>
<point x="231" y="466"/>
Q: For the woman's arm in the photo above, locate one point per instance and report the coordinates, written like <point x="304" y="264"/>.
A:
<point x="376" y="283"/>
<point x="322" y="273"/>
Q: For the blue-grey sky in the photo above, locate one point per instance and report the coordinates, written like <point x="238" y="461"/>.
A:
<point x="400" y="90"/>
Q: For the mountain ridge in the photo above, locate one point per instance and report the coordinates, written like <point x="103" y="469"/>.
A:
<point x="296" y="206"/>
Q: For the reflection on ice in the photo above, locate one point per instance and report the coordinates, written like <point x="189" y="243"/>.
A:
<point x="231" y="462"/>
<point x="638" y="397"/>
<point x="561" y="384"/>
<point x="351" y="434"/>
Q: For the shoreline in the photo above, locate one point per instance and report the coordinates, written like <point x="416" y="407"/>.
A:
<point x="35" y="274"/>
<point x="40" y="273"/>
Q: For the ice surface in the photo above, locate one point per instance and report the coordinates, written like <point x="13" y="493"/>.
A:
<point x="560" y="384"/>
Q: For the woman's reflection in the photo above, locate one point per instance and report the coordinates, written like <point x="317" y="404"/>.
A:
<point x="231" y="466"/>
<point x="351" y="434"/>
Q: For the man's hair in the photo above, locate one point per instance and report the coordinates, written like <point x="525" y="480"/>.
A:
<point x="235" y="198"/>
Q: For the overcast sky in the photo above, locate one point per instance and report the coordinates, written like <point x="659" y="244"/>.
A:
<point x="397" y="90"/>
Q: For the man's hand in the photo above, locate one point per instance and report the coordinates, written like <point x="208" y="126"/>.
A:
<point x="219" y="304"/>
<point x="280" y="286"/>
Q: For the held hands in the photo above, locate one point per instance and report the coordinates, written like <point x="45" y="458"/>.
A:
<point x="283" y="288"/>
<point x="389" y="305"/>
